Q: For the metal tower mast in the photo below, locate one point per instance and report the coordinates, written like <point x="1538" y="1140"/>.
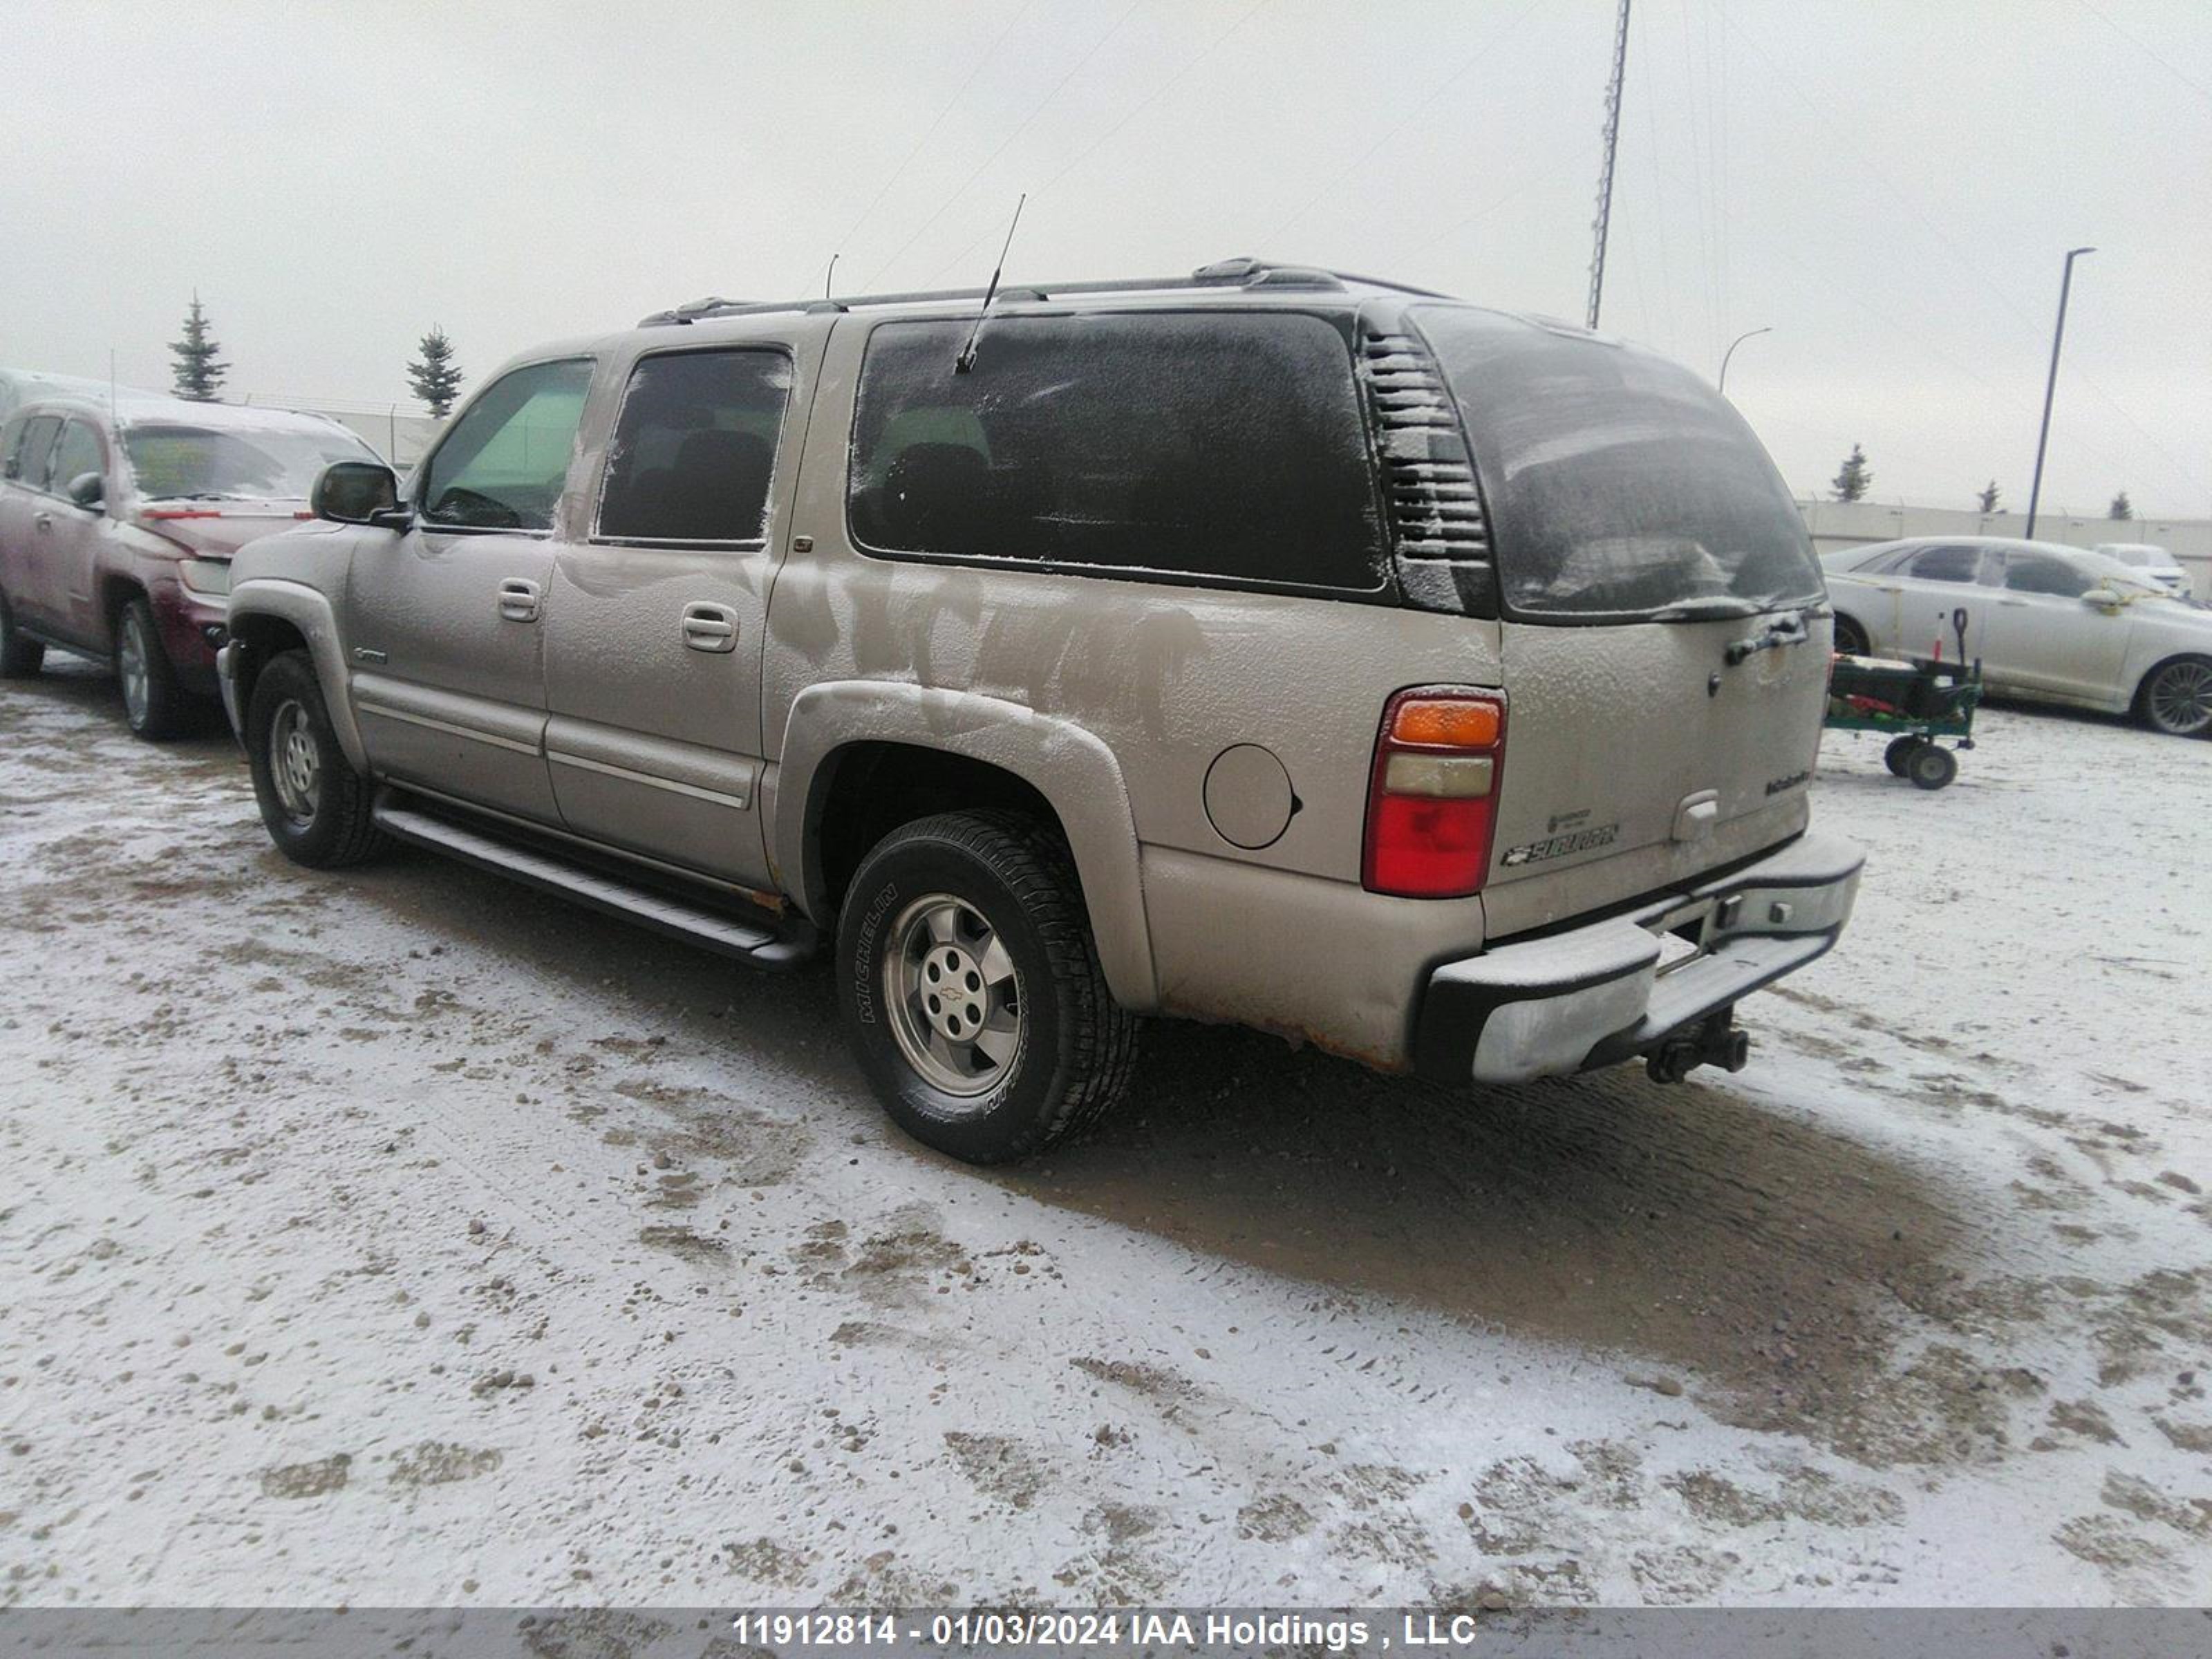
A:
<point x="1605" y="172"/>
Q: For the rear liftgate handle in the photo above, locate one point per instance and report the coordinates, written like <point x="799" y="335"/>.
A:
<point x="519" y="599"/>
<point x="710" y="627"/>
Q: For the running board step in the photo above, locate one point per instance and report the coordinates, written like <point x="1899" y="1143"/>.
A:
<point x="758" y="942"/>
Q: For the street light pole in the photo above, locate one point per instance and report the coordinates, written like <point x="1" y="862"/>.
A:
<point x="2051" y="386"/>
<point x="1730" y="352"/>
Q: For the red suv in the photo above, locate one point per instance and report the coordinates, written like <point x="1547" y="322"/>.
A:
<point x="118" y="519"/>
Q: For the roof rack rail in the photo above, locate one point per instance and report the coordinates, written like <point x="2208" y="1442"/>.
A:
<point x="1241" y="272"/>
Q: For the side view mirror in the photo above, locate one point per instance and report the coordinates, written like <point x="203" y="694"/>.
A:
<point x="87" y="489"/>
<point x="359" y="492"/>
<point x="2103" y="599"/>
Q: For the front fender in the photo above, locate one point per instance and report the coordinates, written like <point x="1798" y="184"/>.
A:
<point x="1073" y="768"/>
<point x="310" y="612"/>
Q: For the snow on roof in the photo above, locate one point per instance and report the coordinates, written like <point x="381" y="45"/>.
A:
<point x="135" y="406"/>
<point x="24" y="385"/>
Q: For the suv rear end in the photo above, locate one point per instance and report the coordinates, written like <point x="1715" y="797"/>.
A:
<point x="1664" y="644"/>
<point x="1412" y="634"/>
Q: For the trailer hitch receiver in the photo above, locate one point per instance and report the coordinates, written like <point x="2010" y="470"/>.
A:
<point x="1715" y="1041"/>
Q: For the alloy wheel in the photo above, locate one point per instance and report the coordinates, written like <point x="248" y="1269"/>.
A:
<point x="131" y="668"/>
<point x="2180" y="698"/>
<point x="954" y="996"/>
<point x="294" y="763"/>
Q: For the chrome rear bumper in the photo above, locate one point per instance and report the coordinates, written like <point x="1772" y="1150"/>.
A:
<point x="1597" y="994"/>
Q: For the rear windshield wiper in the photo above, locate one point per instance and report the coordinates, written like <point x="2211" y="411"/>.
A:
<point x="1788" y="628"/>
<point x="1707" y="608"/>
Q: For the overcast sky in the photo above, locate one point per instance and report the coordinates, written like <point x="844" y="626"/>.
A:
<point x="1890" y="187"/>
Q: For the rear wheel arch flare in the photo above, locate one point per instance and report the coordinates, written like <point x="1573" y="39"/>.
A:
<point x="1019" y="758"/>
<point x="865" y="789"/>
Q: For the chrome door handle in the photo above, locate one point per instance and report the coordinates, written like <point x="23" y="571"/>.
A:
<point x="710" y="627"/>
<point x="519" y="599"/>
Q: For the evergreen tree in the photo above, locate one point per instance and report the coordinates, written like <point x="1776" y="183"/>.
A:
<point x="1851" y="483"/>
<point x="435" y="376"/>
<point x="1989" y="497"/>
<point x="2122" y="508"/>
<point x="199" y="371"/>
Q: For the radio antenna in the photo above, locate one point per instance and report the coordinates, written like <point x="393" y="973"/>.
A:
<point x="966" y="360"/>
<point x="829" y="275"/>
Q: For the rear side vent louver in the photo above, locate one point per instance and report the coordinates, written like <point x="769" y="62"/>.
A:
<point x="1437" y="520"/>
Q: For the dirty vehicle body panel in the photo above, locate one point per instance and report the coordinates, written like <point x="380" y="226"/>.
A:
<point x="1147" y="566"/>
<point x="181" y="488"/>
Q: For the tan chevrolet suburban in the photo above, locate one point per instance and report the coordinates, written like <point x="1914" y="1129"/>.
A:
<point x="1438" y="685"/>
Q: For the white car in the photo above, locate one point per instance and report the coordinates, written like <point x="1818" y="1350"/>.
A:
<point x="2152" y="561"/>
<point x="2057" y="624"/>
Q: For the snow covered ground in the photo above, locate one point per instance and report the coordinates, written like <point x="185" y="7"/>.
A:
<point x="398" y="1236"/>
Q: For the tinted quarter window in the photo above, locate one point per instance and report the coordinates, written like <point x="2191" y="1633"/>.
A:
<point x="693" y="448"/>
<point x="36" y="450"/>
<point x="503" y="465"/>
<point x="1215" y="444"/>
<point x="2039" y="573"/>
<point x="78" y="453"/>
<point x="1619" y="483"/>
<point x="1946" y="564"/>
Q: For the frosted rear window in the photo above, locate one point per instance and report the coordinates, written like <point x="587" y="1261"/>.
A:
<point x="1618" y="485"/>
<point x="1227" y="445"/>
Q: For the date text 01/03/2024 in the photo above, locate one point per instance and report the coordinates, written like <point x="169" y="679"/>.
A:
<point x="1093" y="1632"/>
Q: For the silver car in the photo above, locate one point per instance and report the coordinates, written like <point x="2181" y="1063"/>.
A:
<point x="2051" y="623"/>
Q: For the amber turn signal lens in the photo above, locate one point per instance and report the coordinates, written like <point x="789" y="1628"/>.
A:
<point x="1445" y="723"/>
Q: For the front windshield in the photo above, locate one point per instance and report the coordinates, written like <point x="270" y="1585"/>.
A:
<point x="1618" y="483"/>
<point x="173" y="461"/>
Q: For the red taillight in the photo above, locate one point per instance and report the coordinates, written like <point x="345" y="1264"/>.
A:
<point x="1431" y="799"/>
<point x="164" y="514"/>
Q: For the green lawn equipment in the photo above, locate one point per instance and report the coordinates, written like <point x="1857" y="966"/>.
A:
<point x="1915" y="702"/>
